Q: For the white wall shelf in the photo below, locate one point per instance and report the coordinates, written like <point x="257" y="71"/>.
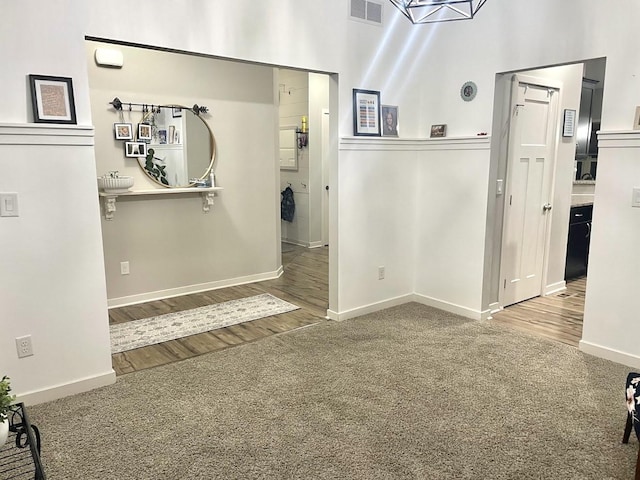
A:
<point x="207" y="194"/>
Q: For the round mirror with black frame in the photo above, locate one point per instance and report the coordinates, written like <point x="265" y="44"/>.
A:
<point x="181" y="150"/>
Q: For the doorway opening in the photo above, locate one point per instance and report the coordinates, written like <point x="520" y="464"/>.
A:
<point x="304" y="160"/>
<point x="304" y="165"/>
<point x="554" y="307"/>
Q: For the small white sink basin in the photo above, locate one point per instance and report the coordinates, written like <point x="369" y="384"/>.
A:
<point x="115" y="184"/>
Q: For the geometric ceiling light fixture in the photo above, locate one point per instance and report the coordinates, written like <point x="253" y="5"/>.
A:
<point x="431" y="11"/>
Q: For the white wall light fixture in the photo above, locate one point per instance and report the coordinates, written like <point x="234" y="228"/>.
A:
<point x="432" y="11"/>
<point x="109" y="57"/>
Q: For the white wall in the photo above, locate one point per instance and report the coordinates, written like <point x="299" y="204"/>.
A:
<point x="382" y="221"/>
<point x="450" y="223"/>
<point x="420" y="69"/>
<point x="611" y="326"/>
<point x="52" y="284"/>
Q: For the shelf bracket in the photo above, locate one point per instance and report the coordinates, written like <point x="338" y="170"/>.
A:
<point x="207" y="201"/>
<point x="109" y="207"/>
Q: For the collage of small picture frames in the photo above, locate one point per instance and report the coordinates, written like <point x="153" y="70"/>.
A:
<point x="137" y="143"/>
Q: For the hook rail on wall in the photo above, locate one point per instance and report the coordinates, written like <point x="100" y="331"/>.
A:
<point x="145" y="107"/>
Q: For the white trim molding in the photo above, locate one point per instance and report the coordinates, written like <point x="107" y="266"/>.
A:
<point x="555" y="288"/>
<point x="619" y="139"/>
<point x="410" y="297"/>
<point x="188" y="289"/>
<point x="46" y="134"/>
<point x="452" y="307"/>
<point x="73" y="388"/>
<point x="371" y="308"/>
<point x="607" y="353"/>
<point x="415" y="144"/>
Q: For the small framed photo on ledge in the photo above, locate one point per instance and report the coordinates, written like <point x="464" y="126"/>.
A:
<point x="52" y="99"/>
<point x="123" y="131"/>
<point x="176" y="112"/>
<point x="135" y="149"/>
<point x="144" y="131"/>
<point x="438" y="130"/>
<point x="389" y="121"/>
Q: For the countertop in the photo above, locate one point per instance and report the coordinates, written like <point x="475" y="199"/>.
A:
<point x="583" y="204"/>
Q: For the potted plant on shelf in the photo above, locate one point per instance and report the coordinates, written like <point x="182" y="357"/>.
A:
<point x="5" y="406"/>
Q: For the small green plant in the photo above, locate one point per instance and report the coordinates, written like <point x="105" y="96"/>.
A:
<point x="5" y="398"/>
<point x="156" y="170"/>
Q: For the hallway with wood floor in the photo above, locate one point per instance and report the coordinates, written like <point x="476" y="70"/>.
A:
<point x="303" y="283"/>
<point x="557" y="317"/>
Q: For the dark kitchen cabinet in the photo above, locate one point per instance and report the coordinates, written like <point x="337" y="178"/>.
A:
<point x="578" y="241"/>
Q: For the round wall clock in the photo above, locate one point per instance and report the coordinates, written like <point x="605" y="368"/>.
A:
<point x="468" y="91"/>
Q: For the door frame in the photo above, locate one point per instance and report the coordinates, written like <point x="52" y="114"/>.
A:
<point x="516" y="79"/>
<point x="325" y="135"/>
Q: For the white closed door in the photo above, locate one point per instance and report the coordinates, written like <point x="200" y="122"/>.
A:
<point x="530" y="167"/>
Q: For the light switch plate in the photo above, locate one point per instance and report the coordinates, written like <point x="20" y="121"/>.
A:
<point x="9" y="205"/>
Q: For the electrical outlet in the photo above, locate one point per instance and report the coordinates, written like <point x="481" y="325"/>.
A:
<point x="124" y="268"/>
<point x="24" y="346"/>
<point x="380" y="273"/>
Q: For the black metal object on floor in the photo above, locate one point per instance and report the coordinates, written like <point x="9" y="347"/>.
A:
<point x="20" y="456"/>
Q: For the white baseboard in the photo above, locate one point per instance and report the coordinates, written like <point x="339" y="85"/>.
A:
<point x="186" y="290"/>
<point x="452" y="307"/>
<point x="494" y="308"/>
<point x="410" y="297"/>
<point x="607" y="353"/>
<point x="294" y="242"/>
<point x="373" y="307"/>
<point x="73" y="388"/>
<point x="303" y="244"/>
<point x="555" y="288"/>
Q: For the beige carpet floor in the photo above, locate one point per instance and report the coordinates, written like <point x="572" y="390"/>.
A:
<point x="406" y="393"/>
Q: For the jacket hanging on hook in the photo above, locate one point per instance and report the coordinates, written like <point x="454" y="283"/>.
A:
<point x="287" y="205"/>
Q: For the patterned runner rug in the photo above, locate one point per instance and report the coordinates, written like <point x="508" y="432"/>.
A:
<point x="149" y="331"/>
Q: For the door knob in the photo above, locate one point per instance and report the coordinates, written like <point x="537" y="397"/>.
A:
<point x="327" y="187"/>
<point x="546" y="207"/>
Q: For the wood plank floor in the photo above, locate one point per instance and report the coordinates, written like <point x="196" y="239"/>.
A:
<point x="557" y="317"/>
<point x="304" y="283"/>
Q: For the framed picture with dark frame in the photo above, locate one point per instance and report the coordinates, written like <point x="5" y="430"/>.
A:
<point x="176" y="112"/>
<point x="135" y="149"/>
<point x="52" y="99"/>
<point x="366" y="113"/>
<point x="389" y="121"/>
<point x="439" y="130"/>
<point x="144" y="131"/>
<point x="123" y="131"/>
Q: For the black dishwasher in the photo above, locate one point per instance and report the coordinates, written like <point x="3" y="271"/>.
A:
<point x="578" y="241"/>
